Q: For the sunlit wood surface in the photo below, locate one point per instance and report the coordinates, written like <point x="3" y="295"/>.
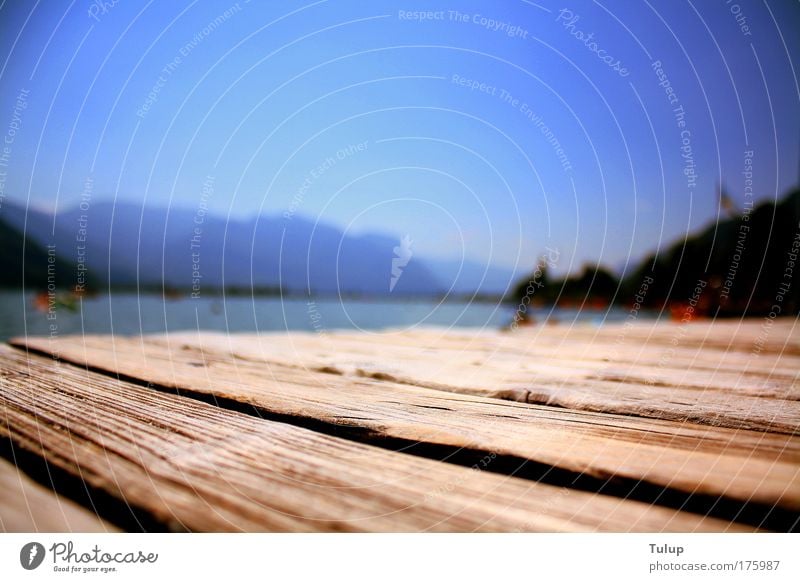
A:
<point x="639" y="427"/>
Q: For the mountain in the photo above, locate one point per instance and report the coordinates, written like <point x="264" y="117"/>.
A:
<point x="128" y="243"/>
<point x="744" y="265"/>
<point x="25" y="260"/>
<point x="468" y="277"/>
<point x="740" y="263"/>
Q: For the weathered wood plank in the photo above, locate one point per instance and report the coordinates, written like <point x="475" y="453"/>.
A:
<point x="778" y="337"/>
<point x="737" y="464"/>
<point x="614" y="343"/>
<point x="734" y="400"/>
<point x="26" y="506"/>
<point x="198" y="467"/>
<point x="775" y="376"/>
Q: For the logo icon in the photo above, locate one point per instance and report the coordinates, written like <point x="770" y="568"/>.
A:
<point x="402" y="254"/>
<point x="31" y="555"/>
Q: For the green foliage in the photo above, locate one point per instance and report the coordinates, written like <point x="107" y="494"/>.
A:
<point x="23" y="259"/>
<point x="743" y="262"/>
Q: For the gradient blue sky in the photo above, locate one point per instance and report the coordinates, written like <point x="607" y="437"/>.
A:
<point x="279" y="87"/>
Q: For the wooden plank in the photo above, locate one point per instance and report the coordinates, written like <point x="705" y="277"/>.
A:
<point x="762" y="336"/>
<point x="733" y="400"/>
<point x="26" y="506"/>
<point x="612" y="343"/>
<point x="737" y="464"/>
<point x="670" y="363"/>
<point x="659" y="363"/>
<point x="195" y="466"/>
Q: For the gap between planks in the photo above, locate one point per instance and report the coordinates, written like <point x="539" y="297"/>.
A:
<point x="499" y="369"/>
<point x="26" y="506"/>
<point x="746" y="466"/>
<point x="194" y="466"/>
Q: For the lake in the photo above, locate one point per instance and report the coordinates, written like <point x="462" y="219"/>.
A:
<point x="128" y="314"/>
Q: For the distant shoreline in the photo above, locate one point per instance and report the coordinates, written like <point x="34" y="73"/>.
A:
<point x="481" y="299"/>
<point x="171" y="293"/>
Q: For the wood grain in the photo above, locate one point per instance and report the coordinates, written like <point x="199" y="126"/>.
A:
<point x="759" y="337"/>
<point x="521" y="369"/>
<point x="191" y="465"/>
<point x="736" y="464"/>
<point x="26" y="506"/>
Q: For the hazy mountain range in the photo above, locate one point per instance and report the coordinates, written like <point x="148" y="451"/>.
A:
<point x="745" y="264"/>
<point x="124" y="243"/>
<point x="16" y="251"/>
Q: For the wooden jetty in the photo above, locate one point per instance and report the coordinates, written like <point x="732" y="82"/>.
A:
<point x="621" y="427"/>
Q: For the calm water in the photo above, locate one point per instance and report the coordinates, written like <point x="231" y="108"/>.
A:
<point x="131" y="314"/>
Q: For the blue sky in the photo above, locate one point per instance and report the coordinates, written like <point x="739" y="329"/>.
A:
<point x="556" y="148"/>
